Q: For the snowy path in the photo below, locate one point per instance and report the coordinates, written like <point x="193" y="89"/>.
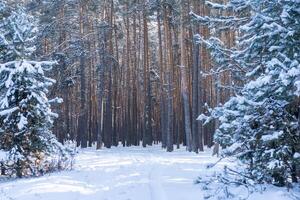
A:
<point x="118" y="174"/>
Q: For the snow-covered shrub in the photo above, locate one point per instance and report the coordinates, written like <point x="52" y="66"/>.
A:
<point x="260" y="125"/>
<point x="228" y="184"/>
<point x="26" y="118"/>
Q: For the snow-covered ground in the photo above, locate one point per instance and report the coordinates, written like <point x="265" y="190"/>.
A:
<point x="132" y="173"/>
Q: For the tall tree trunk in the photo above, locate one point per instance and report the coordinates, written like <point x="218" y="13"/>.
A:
<point x="184" y="82"/>
<point x="195" y="106"/>
<point x="169" y="78"/>
<point x="162" y="92"/>
<point x="147" y="137"/>
<point x="82" y="121"/>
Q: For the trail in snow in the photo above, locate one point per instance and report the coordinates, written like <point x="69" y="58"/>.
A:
<point x="132" y="173"/>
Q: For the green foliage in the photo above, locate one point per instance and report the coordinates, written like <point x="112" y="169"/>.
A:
<point x="26" y="118"/>
<point x="260" y="125"/>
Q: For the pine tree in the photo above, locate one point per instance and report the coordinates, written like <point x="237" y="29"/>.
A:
<point x="260" y="125"/>
<point x="25" y="112"/>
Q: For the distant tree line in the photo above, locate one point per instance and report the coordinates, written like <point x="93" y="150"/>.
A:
<point x="131" y="71"/>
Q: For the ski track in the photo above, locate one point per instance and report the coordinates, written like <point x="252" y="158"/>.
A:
<point x="131" y="173"/>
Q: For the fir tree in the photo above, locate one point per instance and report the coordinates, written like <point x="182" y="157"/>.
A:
<point x="260" y="125"/>
<point x="25" y="113"/>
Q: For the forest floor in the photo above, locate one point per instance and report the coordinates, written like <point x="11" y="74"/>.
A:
<point x="132" y="173"/>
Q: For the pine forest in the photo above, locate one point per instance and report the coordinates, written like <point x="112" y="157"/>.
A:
<point x="149" y="99"/>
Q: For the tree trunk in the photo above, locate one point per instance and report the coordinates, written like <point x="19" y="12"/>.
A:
<point x="184" y="88"/>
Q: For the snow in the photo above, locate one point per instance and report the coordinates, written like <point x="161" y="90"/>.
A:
<point x="297" y="155"/>
<point x="8" y="111"/>
<point x="3" y="155"/>
<point x="56" y="100"/>
<point x="273" y="136"/>
<point x="233" y="147"/>
<point x="132" y="173"/>
<point x="22" y="123"/>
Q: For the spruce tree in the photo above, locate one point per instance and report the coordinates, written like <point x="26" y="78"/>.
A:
<point x="25" y="113"/>
<point x="260" y="125"/>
